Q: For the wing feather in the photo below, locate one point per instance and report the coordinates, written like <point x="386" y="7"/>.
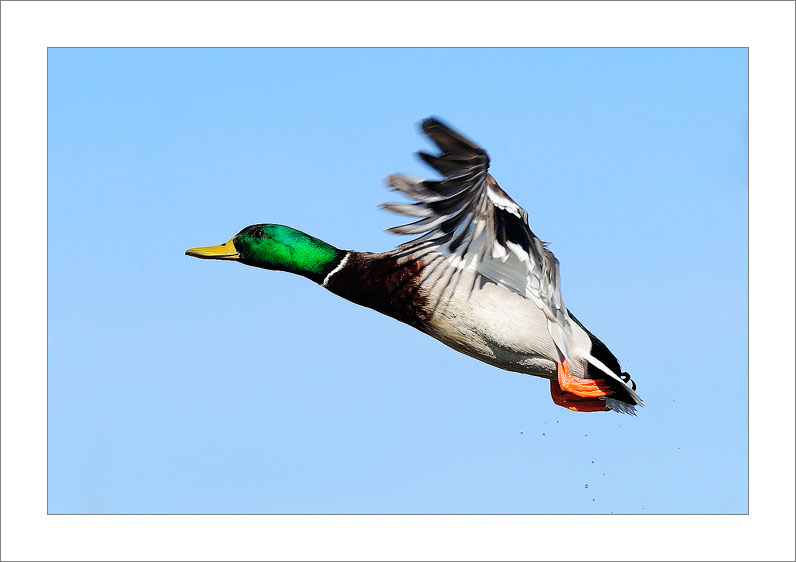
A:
<point x="468" y="215"/>
<point x="469" y="218"/>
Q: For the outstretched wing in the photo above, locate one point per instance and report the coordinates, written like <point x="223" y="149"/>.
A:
<point x="473" y="221"/>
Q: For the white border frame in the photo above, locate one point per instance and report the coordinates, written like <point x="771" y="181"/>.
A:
<point x="28" y="28"/>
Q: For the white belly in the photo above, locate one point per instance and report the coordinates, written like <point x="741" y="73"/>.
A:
<point x="491" y="323"/>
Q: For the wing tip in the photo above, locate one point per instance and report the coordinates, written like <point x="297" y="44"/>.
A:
<point x="434" y="128"/>
<point x="431" y="122"/>
<point x="401" y="182"/>
<point x="448" y="139"/>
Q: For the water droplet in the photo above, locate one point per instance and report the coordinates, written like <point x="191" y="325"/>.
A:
<point x="543" y="434"/>
<point x="587" y="486"/>
<point x="520" y="432"/>
<point x="592" y="462"/>
<point x="592" y="499"/>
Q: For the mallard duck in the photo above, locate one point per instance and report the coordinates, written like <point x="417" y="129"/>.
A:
<point x="475" y="277"/>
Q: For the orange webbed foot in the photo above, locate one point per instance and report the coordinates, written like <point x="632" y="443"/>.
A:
<point x="576" y="394"/>
<point x="575" y="403"/>
<point x="585" y="388"/>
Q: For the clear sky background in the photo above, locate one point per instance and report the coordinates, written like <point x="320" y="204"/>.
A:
<point x="185" y="386"/>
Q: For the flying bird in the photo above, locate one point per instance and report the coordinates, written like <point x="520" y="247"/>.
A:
<point x="475" y="277"/>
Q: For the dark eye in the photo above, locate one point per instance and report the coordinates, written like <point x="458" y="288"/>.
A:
<point x="258" y="233"/>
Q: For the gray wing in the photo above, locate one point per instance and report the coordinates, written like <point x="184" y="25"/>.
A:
<point x="473" y="221"/>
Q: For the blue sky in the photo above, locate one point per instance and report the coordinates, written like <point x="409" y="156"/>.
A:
<point x="631" y="163"/>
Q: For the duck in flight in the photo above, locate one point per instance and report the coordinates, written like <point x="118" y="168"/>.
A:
<point x="475" y="277"/>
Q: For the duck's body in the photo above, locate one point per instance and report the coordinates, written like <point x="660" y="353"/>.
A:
<point x="465" y="311"/>
<point x="477" y="279"/>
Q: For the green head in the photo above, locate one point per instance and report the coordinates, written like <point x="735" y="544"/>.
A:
<point x="273" y="246"/>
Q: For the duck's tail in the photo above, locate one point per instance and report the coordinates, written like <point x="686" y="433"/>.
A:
<point x="621" y="406"/>
<point x="624" y="398"/>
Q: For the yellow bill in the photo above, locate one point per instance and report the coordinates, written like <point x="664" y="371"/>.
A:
<point x="224" y="251"/>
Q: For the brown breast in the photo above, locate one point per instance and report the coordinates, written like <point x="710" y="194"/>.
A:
<point x="388" y="282"/>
